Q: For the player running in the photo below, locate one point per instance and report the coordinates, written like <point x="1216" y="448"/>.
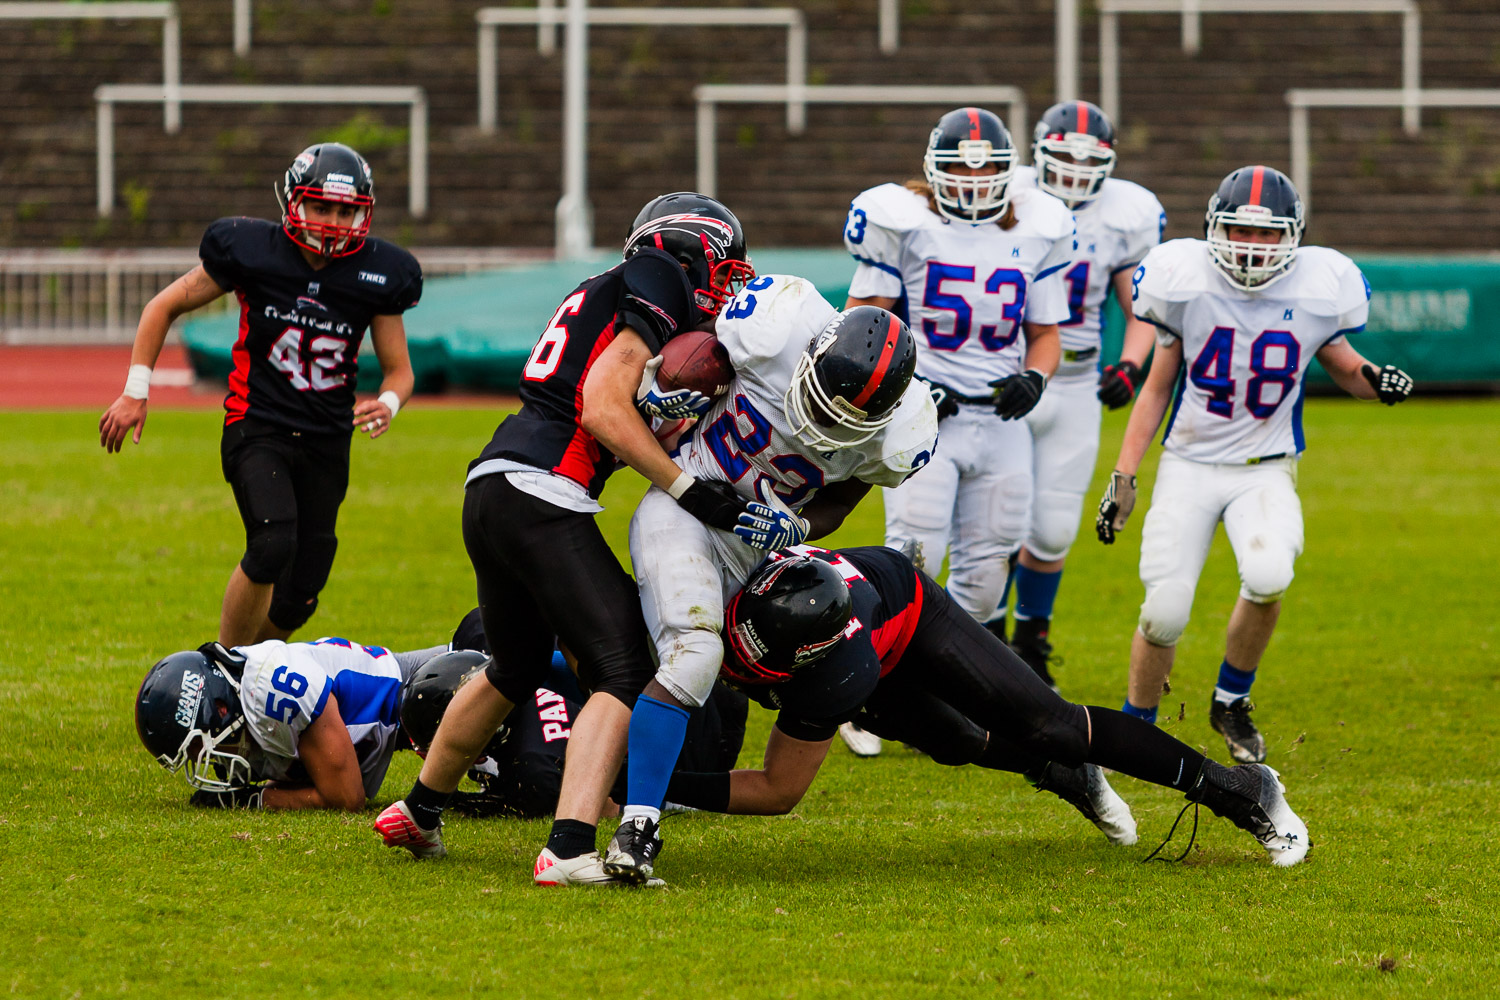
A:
<point x="308" y="288"/>
<point x="1240" y="316"/>
<point x="818" y="634"/>
<point x="545" y="572"/>
<point x="822" y="407"/>
<point x="1117" y="223"/>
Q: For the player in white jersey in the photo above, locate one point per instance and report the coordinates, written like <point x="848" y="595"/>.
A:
<point x="1117" y="223"/>
<point x="822" y="407"/>
<point x="276" y="725"/>
<point x="975" y="263"/>
<point x="1241" y="315"/>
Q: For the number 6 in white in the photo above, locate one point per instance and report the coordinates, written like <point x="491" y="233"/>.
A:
<point x="548" y="352"/>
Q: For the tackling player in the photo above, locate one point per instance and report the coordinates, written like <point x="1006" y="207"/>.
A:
<point x="822" y="407"/>
<point x="308" y="288"/>
<point x="545" y="572"/>
<point x="820" y="633"/>
<point x="1240" y="316"/>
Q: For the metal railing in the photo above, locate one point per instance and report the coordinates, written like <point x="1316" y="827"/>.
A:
<point x="171" y="37"/>
<point x="1192" y="11"/>
<point x="107" y="96"/>
<point x="1301" y="101"/>
<point x="710" y="96"/>
<point x="242" y="27"/>
<point x="545" y="15"/>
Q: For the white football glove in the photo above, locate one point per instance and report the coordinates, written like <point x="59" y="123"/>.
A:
<point x="1115" y="508"/>
<point x="770" y="524"/>
<point x="669" y="404"/>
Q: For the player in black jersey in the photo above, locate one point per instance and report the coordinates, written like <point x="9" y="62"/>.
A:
<point x="308" y="289"/>
<point x="925" y="672"/>
<point x="545" y="573"/>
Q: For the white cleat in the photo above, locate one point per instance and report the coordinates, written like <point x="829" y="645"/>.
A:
<point x="586" y="869"/>
<point x="861" y="743"/>
<point x="1112" y="814"/>
<point x="1287" y="841"/>
<point x="399" y="828"/>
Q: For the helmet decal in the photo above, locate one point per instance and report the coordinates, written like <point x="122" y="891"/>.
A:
<point x="190" y="698"/>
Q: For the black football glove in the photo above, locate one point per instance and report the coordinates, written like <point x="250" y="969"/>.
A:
<point x="1391" y="384"/>
<point x="1015" y="395"/>
<point x="245" y="797"/>
<point x="716" y="504"/>
<point x="232" y="662"/>
<point x="1117" y="383"/>
<point x="1115" y="508"/>
<point x="942" y="398"/>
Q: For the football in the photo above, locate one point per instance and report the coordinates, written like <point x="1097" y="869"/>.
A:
<point x="695" y="360"/>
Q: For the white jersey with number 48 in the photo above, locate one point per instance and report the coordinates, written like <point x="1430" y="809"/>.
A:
<point x="1244" y="353"/>
<point x="746" y="436"/>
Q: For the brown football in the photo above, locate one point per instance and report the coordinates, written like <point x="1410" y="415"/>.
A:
<point x="695" y="360"/>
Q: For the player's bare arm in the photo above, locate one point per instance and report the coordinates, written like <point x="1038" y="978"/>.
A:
<point x="609" y="412"/>
<point x="1119" y="496"/>
<point x="191" y="291"/>
<point x="325" y="749"/>
<point x="1361" y="378"/>
<point x="784" y="777"/>
<point x="373" y="416"/>
<point x="826" y="511"/>
<point x="1043" y="348"/>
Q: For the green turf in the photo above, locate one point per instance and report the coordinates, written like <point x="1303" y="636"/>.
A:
<point x="894" y="876"/>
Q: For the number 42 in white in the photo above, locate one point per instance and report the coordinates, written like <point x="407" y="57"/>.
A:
<point x="321" y="373"/>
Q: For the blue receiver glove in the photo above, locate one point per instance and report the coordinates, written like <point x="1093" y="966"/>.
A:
<point x="770" y="524"/>
<point x="674" y="404"/>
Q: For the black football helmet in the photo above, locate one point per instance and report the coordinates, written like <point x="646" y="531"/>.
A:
<point x="1264" y="198"/>
<point x="1073" y="149"/>
<point x="972" y="138"/>
<point x="850" y="379"/>
<point x="791" y="612"/>
<point x="427" y="693"/>
<point x="329" y="171"/>
<point x="706" y="239"/>
<point x="188" y="714"/>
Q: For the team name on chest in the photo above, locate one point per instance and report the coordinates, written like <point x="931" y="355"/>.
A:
<point x="310" y="322"/>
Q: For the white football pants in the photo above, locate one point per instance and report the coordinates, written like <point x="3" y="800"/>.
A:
<point x="1262" y="516"/>
<point x="1065" y="441"/>
<point x="972" y="501"/>
<point x="687" y="573"/>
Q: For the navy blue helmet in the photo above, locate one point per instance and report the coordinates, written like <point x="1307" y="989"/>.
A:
<point x="1262" y="198"/>
<point x="975" y="141"/>
<point x="1073" y="150"/>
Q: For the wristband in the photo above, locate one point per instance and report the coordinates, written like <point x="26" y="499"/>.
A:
<point x="391" y="400"/>
<point x="138" y="382"/>
<point x="680" y="486"/>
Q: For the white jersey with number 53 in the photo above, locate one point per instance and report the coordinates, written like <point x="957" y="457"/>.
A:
<point x="746" y="436"/>
<point x="1244" y="353"/>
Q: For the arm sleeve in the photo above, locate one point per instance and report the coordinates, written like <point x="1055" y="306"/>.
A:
<point x="216" y="253"/>
<point x="658" y="301"/>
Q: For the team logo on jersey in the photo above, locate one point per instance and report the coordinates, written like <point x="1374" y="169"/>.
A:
<point x="665" y="317"/>
<point x="1016" y="251"/>
<point x="1286" y="315"/>
<point x="188" y="700"/>
<point x="313" y="286"/>
<point x="303" y="302"/>
<point x="374" y="279"/>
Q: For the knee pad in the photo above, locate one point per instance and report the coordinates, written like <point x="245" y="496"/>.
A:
<point x="1265" y="576"/>
<point x="517" y="682"/>
<point x="290" y="611"/>
<point x="690" y="665"/>
<point x="1051" y="535"/>
<point x="270" y="548"/>
<point x="1164" y="614"/>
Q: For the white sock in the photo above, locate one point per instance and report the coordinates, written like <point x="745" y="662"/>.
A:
<point x="631" y="812"/>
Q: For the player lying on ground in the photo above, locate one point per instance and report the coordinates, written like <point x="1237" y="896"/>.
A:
<point x="821" y="633"/>
<point x="1240" y="317"/>
<point x="309" y="288"/>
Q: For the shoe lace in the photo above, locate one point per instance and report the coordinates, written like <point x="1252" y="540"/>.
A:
<point x="1192" y="838"/>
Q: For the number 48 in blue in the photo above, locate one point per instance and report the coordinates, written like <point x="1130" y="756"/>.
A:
<point x="1213" y="371"/>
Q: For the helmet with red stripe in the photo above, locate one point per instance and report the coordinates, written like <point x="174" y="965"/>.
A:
<point x="969" y="163"/>
<point x="1250" y="199"/>
<point x="791" y="612"/>
<point x="706" y="239"/>
<point x="334" y="174"/>
<point x="1073" y="149"/>
<point x="850" y="379"/>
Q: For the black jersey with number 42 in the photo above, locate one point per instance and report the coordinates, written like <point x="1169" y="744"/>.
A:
<point x="649" y="293"/>
<point x="297" y="353"/>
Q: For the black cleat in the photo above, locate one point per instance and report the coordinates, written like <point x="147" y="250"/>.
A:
<point x="632" y="851"/>
<point x="1085" y="789"/>
<point x="1036" y="653"/>
<point x="1233" y="722"/>
<point x="1252" y="797"/>
<point x="996" y="628"/>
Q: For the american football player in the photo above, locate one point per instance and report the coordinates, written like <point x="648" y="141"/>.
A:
<point x="818" y="634"/>
<point x="545" y="572"/>
<point x="1117" y="223"/>
<point x="309" y="287"/>
<point x="822" y="407"/>
<point x="1240" y="315"/>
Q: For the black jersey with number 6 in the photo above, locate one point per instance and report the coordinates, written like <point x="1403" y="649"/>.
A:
<point x="649" y="293"/>
<point x="296" y="356"/>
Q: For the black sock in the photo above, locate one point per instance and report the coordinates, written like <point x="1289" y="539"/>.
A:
<point x="996" y="628"/>
<point x="1135" y="747"/>
<point x="1002" y="755"/>
<point x="426" y="805"/>
<point x="571" y="837"/>
<point x="1029" y="631"/>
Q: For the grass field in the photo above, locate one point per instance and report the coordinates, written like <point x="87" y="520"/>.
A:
<point x="894" y="878"/>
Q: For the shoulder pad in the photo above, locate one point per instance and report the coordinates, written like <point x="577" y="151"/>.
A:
<point x="1130" y="207"/>
<point x="1178" y="270"/>
<point x="1024" y="177"/>
<point x="908" y="443"/>
<point x="1042" y="213"/>
<point x="1327" y="281"/>
<point x="760" y="323"/>
<point x="893" y="207"/>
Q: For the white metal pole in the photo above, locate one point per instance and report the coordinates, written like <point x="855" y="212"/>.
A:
<point x="796" y="75"/>
<point x="1067" y="50"/>
<point x="546" y="28"/>
<point x="1109" y="63"/>
<point x="574" y="231"/>
<point x="418" y="156"/>
<point x="105" y="164"/>
<point x="1411" y="70"/>
<point x="242" y="27"/>
<point x="890" y="26"/>
<point x="1192" y="27"/>
<point x="489" y="75"/>
<point x="171" y="70"/>
<point x="1301" y="168"/>
<point x="707" y="154"/>
<point x="1020" y="127"/>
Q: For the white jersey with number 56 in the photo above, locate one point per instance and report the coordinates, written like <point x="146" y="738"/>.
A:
<point x="1244" y="353"/>
<point x="746" y="436"/>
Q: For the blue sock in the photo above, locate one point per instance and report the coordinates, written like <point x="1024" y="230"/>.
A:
<point x="656" y="734"/>
<point x="1233" y="684"/>
<point x="1149" y="714"/>
<point x="1035" y="592"/>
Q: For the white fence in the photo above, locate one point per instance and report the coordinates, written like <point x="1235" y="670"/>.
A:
<point x="109" y="95"/>
<point x="710" y="96"/>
